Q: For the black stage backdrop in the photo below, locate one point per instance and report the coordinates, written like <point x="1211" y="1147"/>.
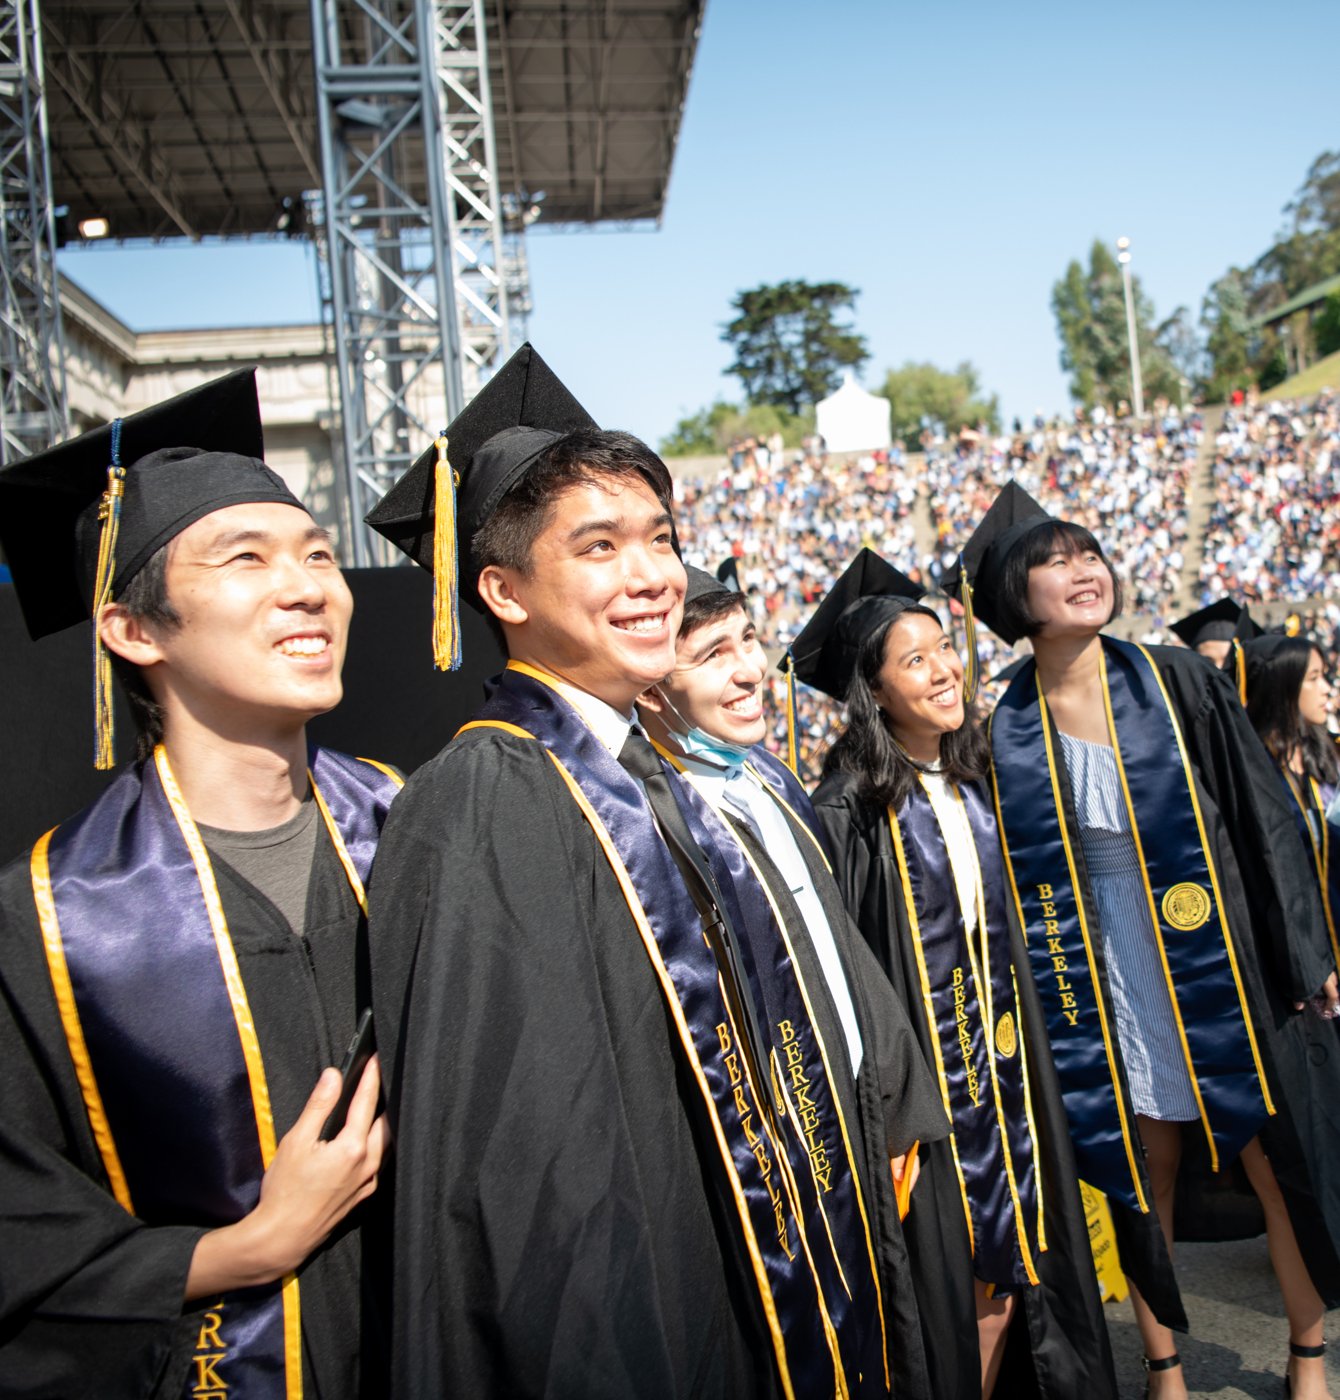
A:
<point x="396" y="708"/>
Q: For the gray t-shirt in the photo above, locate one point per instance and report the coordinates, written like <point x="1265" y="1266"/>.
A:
<point x="277" y="861"/>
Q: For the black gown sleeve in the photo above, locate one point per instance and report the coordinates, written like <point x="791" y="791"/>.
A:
<point x="90" y="1297"/>
<point x="1233" y="766"/>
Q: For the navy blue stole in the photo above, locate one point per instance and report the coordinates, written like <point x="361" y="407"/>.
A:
<point x="780" y="1151"/>
<point x="1305" y="800"/>
<point x="158" y="1026"/>
<point x="792" y="797"/>
<point x="1185" y="905"/>
<point x="968" y="996"/>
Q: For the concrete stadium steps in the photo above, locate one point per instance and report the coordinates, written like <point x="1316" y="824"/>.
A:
<point x="1199" y="503"/>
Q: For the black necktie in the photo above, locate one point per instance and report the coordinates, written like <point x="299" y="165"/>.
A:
<point x="642" y="762"/>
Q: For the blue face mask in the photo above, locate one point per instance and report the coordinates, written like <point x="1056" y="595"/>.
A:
<point x="698" y="743"/>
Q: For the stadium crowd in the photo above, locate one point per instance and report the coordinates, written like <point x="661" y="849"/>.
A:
<point x="1275" y="524"/>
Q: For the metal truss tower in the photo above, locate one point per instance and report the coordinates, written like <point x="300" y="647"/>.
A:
<point x="410" y="228"/>
<point x="33" y="412"/>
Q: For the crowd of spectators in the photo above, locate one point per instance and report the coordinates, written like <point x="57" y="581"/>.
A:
<point x="1126" y="482"/>
<point x="793" y="519"/>
<point x="1274" y="528"/>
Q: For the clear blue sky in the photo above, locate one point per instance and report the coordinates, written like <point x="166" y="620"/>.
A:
<point x="947" y="159"/>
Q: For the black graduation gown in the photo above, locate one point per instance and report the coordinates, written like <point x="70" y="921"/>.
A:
<point x="91" y="1298"/>
<point x="893" y="1098"/>
<point x="1068" y="1353"/>
<point x="1284" y="956"/>
<point x="558" y="1231"/>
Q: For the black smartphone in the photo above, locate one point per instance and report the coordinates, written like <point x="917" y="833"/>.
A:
<point x="356" y="1057"/>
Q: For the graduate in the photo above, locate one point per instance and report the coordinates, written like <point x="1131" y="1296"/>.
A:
<point x="1173" y="929"/>
<point x="1219" y="632"/>
<point x="996" y="1230"/>
<point x="1288" y="700"/>
<point x="179" y="964"/>
<point x="603" y="1186"/>
<point x="707" y="719"/>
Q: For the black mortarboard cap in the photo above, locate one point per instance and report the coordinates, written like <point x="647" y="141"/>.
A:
<point x="1012" y="515"/>
<point x="728" y="571"/>
<point x="702" y="584"/>
<point x="1223" y="621"/>
<point x="489" y="446"/>
<point x="183" y="459"/>
<point x="868" y="594"/>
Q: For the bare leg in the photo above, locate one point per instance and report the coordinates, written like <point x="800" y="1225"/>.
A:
<point x="1302" y="1306"/>
<point x="993" y="1321"/>
<point x="1163" y="1153"/>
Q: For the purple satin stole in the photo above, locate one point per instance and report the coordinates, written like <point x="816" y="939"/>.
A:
<point x="157" y="1021"/>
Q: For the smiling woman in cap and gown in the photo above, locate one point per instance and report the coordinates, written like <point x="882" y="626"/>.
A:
<point x="170" y="992"/>
<point x="996" y="1227"/>
<point x="1288" y="700"/>
<point x="1172" y="929"/>
<point x="599" y="1192"/>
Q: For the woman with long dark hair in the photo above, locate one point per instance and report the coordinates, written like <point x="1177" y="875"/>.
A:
<point x="1288" y="697"/>
<point x="996" y="1228"/>
<point x="1172" y="928"/>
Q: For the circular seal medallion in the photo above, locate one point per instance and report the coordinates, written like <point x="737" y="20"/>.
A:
<point x="1006" y="1040"/>
<point x="1186" y="907"/>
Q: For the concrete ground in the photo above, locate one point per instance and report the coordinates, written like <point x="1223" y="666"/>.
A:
<point x="1239" y="1339"/>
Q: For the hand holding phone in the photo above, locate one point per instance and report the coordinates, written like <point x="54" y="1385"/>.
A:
<point x="361" y="1049"/>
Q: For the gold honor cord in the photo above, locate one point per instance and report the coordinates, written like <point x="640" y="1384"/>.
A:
<point x="71" y="1024"/>
<point x="926" y="998"/>
<point x="1214" y="881"/>
<point x="1104" y="1029"/>
<point x="1321" y="852"/>
<point x="677" y="1012"/>
<point x="986" y="994"/>
<point x="1032" y="1122"/>
<point x="246" y="1033"/>
<point x="385" y="768"/>
<point x="1152" y="905"/>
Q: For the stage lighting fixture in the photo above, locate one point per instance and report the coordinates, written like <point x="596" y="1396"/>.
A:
<point x="96" y="227"/>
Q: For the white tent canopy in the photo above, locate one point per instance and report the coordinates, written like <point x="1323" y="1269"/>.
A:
<point x="852" y="420"/>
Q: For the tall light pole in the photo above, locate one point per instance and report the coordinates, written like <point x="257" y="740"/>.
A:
<point x="1137" y="389"/>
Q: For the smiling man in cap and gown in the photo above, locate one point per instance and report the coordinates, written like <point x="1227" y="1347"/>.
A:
<point x="707" y="719"/>
<point x="602" y="1186"/>
<point x="178" y="962"/>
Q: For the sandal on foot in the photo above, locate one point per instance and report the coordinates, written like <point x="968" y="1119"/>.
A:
<point x="1164" y="1363"/>
<point x="1307" y="1353"/>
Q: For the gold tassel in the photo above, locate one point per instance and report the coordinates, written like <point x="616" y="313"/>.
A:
<point x="446" y="564"/>
<point x="1240" y="670"/>
<point x="792" y="757"/>
<point x="970" y="676"/>
<point x="109" y="513"/>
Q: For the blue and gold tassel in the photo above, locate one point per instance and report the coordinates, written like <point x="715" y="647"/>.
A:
<point x="446" y="564"/>
<point x="109" y="514"/>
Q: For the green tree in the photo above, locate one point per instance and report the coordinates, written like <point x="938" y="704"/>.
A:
<point x="715" y="428"/>
<point x="1090" y="310"/>
<point x="1226" y="319"/>
<point x="790" y="347"/>
<point x="1326" y="328"/>
<point x="1307" y="248"/>
<point x="952" y="397"/>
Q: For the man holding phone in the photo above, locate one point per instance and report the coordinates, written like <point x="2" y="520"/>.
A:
<point x="180" y="961"/>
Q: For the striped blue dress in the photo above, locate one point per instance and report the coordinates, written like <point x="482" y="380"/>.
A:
<point x="1146" y="1030"/>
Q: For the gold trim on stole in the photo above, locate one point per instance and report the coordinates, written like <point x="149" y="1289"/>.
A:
<point x="677" y="1012"/>
<point x="74" y="1030"/>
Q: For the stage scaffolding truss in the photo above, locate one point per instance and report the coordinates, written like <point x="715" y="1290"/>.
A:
<point x="32" y="359"/>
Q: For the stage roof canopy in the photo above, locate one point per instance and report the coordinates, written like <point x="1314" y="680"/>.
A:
<point x="192" y="118"/>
